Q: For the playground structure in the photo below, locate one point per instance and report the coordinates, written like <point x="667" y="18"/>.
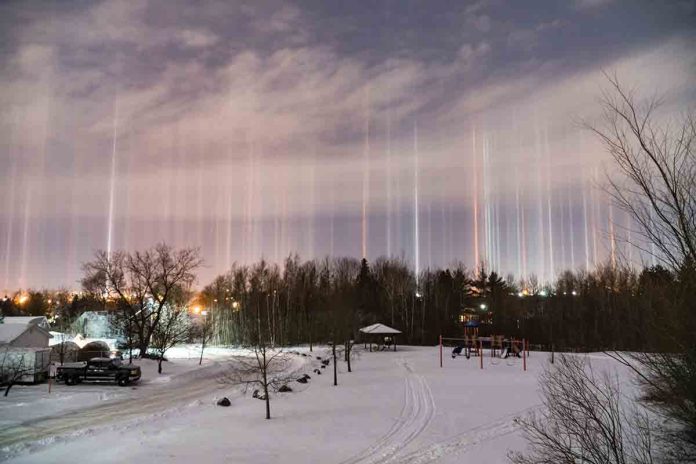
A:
<point x="499" y="347"/>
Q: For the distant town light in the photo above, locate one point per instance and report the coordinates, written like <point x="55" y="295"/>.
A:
<point x="483" y="306"/>
<point x="543" y="293"/>
<point x="204" y="313"/>
<point x="196" y="309"/>
<point x="574" y="293"/>
<point x="235" y="304"/>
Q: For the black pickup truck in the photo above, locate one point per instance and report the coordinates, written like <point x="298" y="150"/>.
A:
<point x="98" y="370"/>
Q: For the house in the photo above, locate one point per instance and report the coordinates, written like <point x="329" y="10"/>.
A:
<point x="474" y="318"/>
<point x="25" y="332"/>
<point x="24" y="350"/>
<point x="95" y="324"/>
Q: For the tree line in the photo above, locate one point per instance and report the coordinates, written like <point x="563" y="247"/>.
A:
<point x="609" y="308"/>
<point x="322" y="300"/>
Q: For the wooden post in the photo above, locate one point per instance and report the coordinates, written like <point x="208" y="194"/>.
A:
<point x="481" y="353"/>
<point x="440" y="350"/>
<point x="552" y="353"/>
<point x="527" y="347"/>
<point x="524" y="354"/>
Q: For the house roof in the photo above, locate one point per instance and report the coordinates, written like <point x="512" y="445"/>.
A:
<point x="8" y="332"/>
<point x="379" y="329"/>
<point x="13" y="327"/>
<point x="26" y="320"/>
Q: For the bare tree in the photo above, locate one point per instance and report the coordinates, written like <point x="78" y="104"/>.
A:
<point x="143" y="283"/>
<point x="668" y="381"/>
<point x="656" y="187"/>
<point x="14" y="366"/>
<point x="266" y="369"/>
<point x="205" y="332"/>
<point x="173" y="328"/>
<point x="656" y="181"/>
<point x="584" y="420"/>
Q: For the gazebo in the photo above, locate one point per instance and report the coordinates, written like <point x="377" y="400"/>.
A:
<point x="380" y="330"/>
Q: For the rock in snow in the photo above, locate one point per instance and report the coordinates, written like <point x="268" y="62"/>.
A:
<point x="284" y="389"/>
<point x="224" y="402"/>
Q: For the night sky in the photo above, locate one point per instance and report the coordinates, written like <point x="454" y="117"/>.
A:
<point x="440" y="132"/>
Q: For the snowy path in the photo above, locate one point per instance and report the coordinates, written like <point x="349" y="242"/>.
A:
<point x="416" y="414"/>
<point x="159" y="398"/>
<point x="470" y="438"/>
<point x="393" y="409"/>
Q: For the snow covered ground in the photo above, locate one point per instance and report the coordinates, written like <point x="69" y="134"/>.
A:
<point x="394" y="408"/>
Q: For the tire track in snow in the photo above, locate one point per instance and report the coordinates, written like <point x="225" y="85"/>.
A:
<point x="470" y="438"/>
<point x="147" y="401"/>
<point x="416" y="414"/>
<point x="47" y="429"/>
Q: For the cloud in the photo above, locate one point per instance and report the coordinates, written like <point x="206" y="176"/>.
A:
<point x="590" y="4"/>
<point x="197" y="38"/>
<point x="243" y="114"/>
<point x="483" y="23"/>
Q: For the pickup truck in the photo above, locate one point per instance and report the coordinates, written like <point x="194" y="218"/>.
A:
<point x="98" y="370"/>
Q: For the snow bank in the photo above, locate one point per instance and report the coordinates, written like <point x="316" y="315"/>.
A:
<point x="395" y="407"/>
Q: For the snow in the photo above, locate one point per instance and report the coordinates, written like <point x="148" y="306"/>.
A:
<point x="379" y="329"/>
<point x="395" y="407"/>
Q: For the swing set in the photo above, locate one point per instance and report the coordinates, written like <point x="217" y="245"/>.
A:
<point x="499" y="348"/>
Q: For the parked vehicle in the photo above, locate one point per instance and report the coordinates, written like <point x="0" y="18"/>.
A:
<point x="99" y="370"/>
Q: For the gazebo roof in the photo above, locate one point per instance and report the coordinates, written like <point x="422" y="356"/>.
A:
<point x="379" y="329"/>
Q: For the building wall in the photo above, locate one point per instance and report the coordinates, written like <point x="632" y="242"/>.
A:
<point x="33" y="337"/>
<point x="33" y="363"/>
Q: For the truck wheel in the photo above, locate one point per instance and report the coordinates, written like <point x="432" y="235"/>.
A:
<point x="123" y="381"/>
<point x="70" y="380"/>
